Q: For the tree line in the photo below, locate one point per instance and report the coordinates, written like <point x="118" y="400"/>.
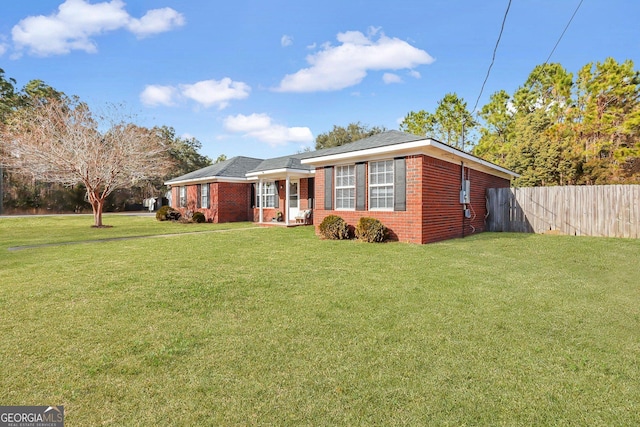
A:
<point x="556" y="129"/>
<point x="57" y="158"/>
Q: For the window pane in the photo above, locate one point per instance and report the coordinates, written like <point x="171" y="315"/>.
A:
<point x="345" y="187"/>
<point x="381" y="185"/>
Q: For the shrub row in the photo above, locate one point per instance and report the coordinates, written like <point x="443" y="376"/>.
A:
<point x="367" y="229"/>
<point x="167" y="213"/>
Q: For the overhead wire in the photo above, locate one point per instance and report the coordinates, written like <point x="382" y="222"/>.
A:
<point x="495" y="49"/>
<point x="562" y="35"/>
<point x="493" y="58"/>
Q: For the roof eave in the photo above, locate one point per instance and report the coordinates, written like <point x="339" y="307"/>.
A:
<point x="279" y="172"/>
<point x="206" y="179"/>
<point x="423" y="146"/>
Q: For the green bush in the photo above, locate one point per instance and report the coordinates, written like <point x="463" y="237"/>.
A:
<point x="167" y="213"/>
<point x="370" y="230"/>
<point x="334" y="227"/>
<point x="198" y="217"/>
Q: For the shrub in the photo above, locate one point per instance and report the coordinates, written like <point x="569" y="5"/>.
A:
<point x="370" y="230"/>
<point x="334" y="228"/>
<point x="198" y="217"/>
<point x="161" y="214"/>
<point x="167" y="213"/>
<point x="173" y="215"/>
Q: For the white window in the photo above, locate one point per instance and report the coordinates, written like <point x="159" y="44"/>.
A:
<point x="381" y="185"/>
<point x="345" y="187"/>
<point x="204" y="196"/>
<point x="183" y="196"/>
<point x="270" y="192"/>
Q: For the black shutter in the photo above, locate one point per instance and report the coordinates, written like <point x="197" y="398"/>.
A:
<point x="198" y="195"/>
<point x="277" y="196"/>
<point x="399" y="184"/>
<point x="328" y="188"/>
<point x="310" y="192"/>
<point x="361" y="188"/>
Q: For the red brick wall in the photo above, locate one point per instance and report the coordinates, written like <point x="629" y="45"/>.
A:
<point x="228" y="202"/>
<point x="269" y="213"/>
<point x="234" y="202"/>
<point x="434" y="211"/>
<point x="403" y="225"/>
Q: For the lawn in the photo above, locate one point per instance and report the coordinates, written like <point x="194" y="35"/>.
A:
<point x="272" y="326"/>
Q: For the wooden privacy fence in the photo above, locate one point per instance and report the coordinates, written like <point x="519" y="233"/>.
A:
<point x="598" y="210"/>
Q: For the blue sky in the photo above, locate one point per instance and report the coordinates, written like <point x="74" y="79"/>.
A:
<point x="264" y="78"/>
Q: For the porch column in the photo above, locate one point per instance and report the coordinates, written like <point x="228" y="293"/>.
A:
<point x="286" y="199"/>
<point x="260" y="199"/>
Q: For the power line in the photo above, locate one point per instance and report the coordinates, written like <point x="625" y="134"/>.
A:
<point x="562" y="35"/>
<point x="495" y="49"/>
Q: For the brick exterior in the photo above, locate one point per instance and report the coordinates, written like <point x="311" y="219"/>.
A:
<point x="228" y="202"/>
<point x="434" y="211"/>
<point x="433" y="208"/>
<point x="269" y="213"/>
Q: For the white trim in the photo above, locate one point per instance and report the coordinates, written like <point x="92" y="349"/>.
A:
<point x="209" y="179"/>
<point x="260" y="201"/>
<point x="344" y="187"/>
<point x="385" y="185"/>
<point x="279" y="172"/>
<point x="427" y="147"/>
<point x="286" y="197"/>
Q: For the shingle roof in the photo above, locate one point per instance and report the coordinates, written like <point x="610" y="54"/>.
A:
<point x="379" y="140"/>
<point x="285" y="162"/>
<point x="383" y="139"/>
<point x="235" y="167"/>
<point x="238" y="167"/>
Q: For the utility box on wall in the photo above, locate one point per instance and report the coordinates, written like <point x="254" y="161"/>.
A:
<point x="465" y="193"/>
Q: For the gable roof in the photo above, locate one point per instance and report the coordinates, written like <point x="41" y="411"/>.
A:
<point x="284" y="162"/>
<point x="235" y="168"/>
<point x="383" y="139"/>
<point x="385" y="144"/>
<point x="396" y="143"/>
<point x="296" y="161"/>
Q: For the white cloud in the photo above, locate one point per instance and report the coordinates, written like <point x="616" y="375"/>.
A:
<point x="206" y="93"/>
<point x="153" y="95"/>
<point x="286" y="41"/>
<point x="345" y="65"/>
<point x="262" y="128"/>
<point x="389" y="78"/>
<point x="3" y="48"/>
<point x="77" y="21"/>
<point x="156" y="21"/>
<point x="415" y="74"/>
<point x="214" y="92"/>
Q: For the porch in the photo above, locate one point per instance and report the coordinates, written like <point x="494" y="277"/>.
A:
<point x="283" y="196"/>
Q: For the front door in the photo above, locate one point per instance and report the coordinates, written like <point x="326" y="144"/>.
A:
<point x="294" y="204"/>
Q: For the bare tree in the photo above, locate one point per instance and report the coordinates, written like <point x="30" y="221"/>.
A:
<point x="62" y="141"/>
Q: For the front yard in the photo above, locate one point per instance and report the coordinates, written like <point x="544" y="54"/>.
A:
<point x="272" y="326"/>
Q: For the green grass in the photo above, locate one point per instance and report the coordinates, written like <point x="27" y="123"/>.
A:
<point x="276" y="327"/>
<point x="28" y="231"/>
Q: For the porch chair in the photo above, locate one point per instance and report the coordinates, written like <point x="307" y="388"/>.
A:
<point x="304" y="217"/>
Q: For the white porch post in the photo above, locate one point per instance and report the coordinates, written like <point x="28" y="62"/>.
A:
<point x="286" y="200"/>
<point x="261" y="200"/>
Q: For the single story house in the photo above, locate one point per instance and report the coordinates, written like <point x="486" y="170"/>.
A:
<point x="422" y="190"/>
